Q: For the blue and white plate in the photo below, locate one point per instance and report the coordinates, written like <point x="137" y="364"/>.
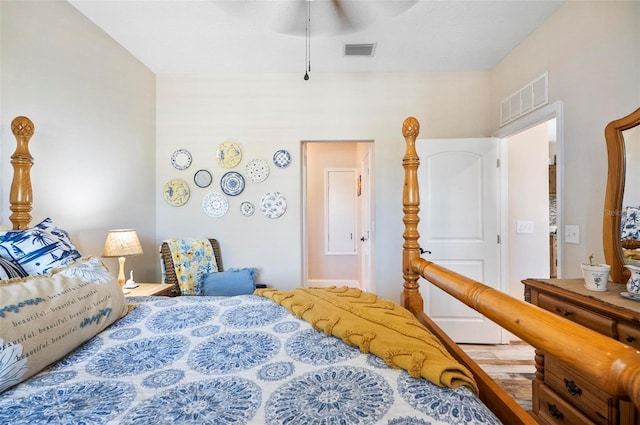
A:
<point x="282" y="158"/>
<point x="247" y="208"/>
<point x="215" y="204"/>
<point x="181" y="159"/>
<point x="273" y="204"/>
<point x="257" y="170"/>
<point x="630" y="296"/>
<point x="232" y="183"/>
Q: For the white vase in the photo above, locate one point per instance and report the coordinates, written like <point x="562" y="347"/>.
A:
<point x="633" y="284"/>
<point x="596" y="277"/>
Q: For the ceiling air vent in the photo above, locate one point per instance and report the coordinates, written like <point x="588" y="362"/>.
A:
<point x="359" y="49"/>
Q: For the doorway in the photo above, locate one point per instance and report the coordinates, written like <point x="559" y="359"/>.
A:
<point x="517" y="226"/>
<point x="534" y="239"/>
<point x="337" y="211"/>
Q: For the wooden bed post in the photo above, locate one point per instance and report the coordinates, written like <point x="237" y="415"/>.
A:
<point x="21" y="196"/>
<point x="410" y="206"/>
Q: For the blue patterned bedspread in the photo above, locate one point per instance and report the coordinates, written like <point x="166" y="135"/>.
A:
<point x="236" y="360"/>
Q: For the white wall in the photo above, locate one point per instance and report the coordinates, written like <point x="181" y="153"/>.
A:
<point x="267" y="112"/>
<point x="592" y="53"/>
<point x="93" y="108"/>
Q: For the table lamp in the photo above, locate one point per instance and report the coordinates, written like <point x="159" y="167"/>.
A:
<point x="121" y="243"/>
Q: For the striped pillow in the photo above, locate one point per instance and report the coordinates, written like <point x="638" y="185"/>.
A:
<point x="10" y="270"/>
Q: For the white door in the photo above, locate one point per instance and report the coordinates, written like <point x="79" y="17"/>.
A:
<point x="365" y="224"/>
<point x="340" y="214"/>
<point x="459" y="226"/>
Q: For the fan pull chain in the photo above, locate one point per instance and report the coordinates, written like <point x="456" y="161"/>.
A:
<point x="307" y="56"/>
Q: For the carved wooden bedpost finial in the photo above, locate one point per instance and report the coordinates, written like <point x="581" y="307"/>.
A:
<point x="411" y="206"/>
<point x="21" y="196"/>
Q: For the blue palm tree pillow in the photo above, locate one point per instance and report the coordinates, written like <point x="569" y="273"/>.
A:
<point x="39" y="249"/>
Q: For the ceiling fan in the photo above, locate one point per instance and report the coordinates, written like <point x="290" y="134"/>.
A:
<point x="330" y="17"/>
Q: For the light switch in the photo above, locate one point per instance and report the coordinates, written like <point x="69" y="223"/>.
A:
<point x="524" y="226"/>
<point x="572" y="233"/>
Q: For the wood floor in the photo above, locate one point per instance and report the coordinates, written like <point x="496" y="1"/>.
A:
<point x="511" y="366"/>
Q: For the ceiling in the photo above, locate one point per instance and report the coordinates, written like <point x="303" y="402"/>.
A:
<point x="269" y="36"/>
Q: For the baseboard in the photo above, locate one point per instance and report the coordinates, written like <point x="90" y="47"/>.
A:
<point x="326" y="283"/>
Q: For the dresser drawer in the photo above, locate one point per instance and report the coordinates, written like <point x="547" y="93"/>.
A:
<point x="577" y="391"/>
<point x="556" y="411"/>
<point x="584" y="317"/>
<point x="629" y="334"/>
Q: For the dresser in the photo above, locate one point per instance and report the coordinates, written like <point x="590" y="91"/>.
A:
<point x="560" y="394"/>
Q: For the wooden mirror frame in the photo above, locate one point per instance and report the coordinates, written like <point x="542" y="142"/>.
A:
<point x="612" y="243"/>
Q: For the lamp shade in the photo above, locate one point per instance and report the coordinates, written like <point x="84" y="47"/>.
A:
<point x="122" y="242"/>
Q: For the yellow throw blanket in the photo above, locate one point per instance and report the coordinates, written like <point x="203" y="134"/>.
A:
<point x="192" y="257"/>
<point x="376" y="326"/>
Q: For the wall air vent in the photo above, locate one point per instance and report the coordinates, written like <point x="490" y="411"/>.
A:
<point x="366" y="49"/>
<point x="528" y="98"/>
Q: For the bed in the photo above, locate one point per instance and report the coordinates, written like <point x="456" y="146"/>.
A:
<point x="330" y="356"/>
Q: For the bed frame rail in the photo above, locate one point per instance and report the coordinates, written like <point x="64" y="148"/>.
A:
<point x="615" y="365"/>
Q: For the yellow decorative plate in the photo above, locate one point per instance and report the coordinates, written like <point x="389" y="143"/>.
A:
<point x="176" y="192"/>
<point x="228" y="154"/>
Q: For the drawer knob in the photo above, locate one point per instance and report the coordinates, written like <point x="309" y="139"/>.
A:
<point x="553" y="411"/>
<point x="572" y="388"/>
<point x="630" y="339"/>
<point x="565" y="313"/>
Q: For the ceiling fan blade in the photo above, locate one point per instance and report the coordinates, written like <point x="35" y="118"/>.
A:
<point x="344" y="21"/>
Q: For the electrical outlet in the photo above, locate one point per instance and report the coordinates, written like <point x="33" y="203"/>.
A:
<point x="572" y="233"/>
<point x="524" y="226"/>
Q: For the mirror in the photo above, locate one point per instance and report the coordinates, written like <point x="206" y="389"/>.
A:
<point x="619" y="234"/>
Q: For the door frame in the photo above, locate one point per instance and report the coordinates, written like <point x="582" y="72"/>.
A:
<point x="303" y="210"/>
<point x="366" y="276"/>
<point x="540" y="115"/>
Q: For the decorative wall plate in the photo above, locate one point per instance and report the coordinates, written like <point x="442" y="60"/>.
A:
<point x="176" y="192"/>
<point x="202" y="178"/>
<point x="257" y="170"/>
<point x="228" y="154"/>
<point x="232" y="183"/>
<point x="282" y="158"/>
<point x="630" y="296"/>
<point x="247" y="208"/>
<point x="181" y="159"/>
<point x="215" y="204"/>
<point x="273" y="204"/>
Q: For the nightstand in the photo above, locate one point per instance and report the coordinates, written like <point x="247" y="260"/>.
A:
<point x="148" y="289"/>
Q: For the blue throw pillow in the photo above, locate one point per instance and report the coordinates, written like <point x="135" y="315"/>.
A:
<point x="229" y="283"/>
<point x="38" y="249"/>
